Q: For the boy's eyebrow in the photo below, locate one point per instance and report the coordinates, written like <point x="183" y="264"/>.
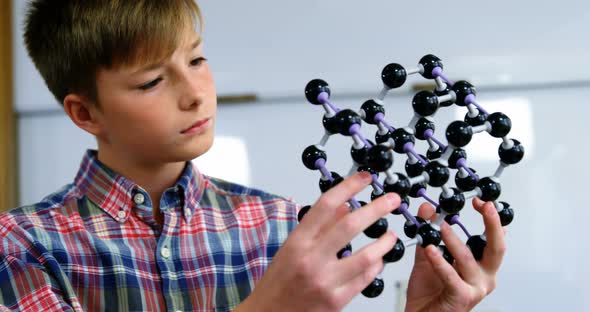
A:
<point x="195" y="44"/>
<point x="147" y="68"/>
<point x="153" y="66"/>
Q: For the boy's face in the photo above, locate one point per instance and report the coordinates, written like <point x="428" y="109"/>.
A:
<point x="145" y="111"/>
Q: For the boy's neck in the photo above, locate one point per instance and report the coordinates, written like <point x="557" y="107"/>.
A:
<point x="155" y="179"/>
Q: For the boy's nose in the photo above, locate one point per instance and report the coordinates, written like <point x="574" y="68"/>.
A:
<point x="192" y="91"/>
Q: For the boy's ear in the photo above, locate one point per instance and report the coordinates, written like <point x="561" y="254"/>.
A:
<point x="83" y="113"/>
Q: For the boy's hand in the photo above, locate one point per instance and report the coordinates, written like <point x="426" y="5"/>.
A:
<point x="305" y="274"/>
<point x="435" y="285"/>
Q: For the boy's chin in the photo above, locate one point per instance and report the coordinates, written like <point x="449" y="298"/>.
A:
<point x="186" y="151"/>
<point x="181" y="156"/>
<point x="196" y="150"/>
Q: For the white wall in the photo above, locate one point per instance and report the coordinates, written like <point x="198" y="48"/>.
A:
<point x="273" y="48"/>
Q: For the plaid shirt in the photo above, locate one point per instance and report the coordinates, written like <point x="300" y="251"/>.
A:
<point x="94" y="245"/>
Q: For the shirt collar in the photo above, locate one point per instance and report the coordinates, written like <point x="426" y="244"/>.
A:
<point x="192" y="184"/>
<point x="114" y="193"/>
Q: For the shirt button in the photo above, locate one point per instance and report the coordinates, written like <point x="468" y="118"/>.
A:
<point x="139" y="198"/>
<point x="121" y="214"/>
<point x="165" y="252"/>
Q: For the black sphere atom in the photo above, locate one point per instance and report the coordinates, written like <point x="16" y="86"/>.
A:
<point x="452" y="204"/>
<point x="382" y="137"/>
<point x="330" y="124"/>
<point x="415" y="188"/>
<point x="410" y="229"/>
<point x="379" y="158"/>
<point x="374" y="289"/>
<point x="401" y="186"/>
<point x="404" y="200"/>
<point x="437" y="173"/>
<point x="444" y="92"/>
<point x="401" y="136"/>
<point x="345" y="119"/>
<point x="449" y="218"/>
<point x="425" y="103"/>
<point x="302" y="212"/>
<point x="414" y="169"/>
<point x="501" y="124"/>
<point x="477" y="244"/>
<point x="430" y="62"/>
<point x="459" y="133"/>
<point x="367" y="169"/>
<point x="434" y="154"/>
<point x="421" y="126"/>
<point x="512" y="155"/>
<point x="371" y="109"/>
<point x="429" y="235"/>
<point x="313" y="90"/>
<point x="396" y="253"/>
<point x="506" y="214"/>
<point x="446" y="254"/>
<point x="477" y="120"/>
<point x="377" y="229"/>
<point x="467" y="183"/>
<point x="490" y="189"/>
<point x="310" y="156"/>
<point x="359" y="155"/>
<point x="457" y="154"/>
<point x="463" y="89"/>
<point x="394" y="75"/>
<point x="325" y="185"/>
<point x="337" y="179"/>
<point x="346" y="248"/>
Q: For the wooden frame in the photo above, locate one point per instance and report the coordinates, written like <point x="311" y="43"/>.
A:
<point x="8" y="171"/>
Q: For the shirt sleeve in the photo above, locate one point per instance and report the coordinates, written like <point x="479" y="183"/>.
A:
<point x="26" y="287"/>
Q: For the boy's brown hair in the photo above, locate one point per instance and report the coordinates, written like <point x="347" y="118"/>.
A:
<point x="69" y="40"/>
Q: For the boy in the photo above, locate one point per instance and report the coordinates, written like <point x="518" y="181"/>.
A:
<point x="140" y="229"/>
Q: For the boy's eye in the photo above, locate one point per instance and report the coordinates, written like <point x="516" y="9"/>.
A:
<point x="150" y="84"/>
<point x="198" y="61"/>
<point x="195" y="62"/>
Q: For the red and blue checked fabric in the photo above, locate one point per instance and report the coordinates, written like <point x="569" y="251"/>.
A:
<point x="94" y="245"/>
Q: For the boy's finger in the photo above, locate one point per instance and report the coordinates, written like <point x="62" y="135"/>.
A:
<point x="322" y="212"/>
<point x="351" y="267"/>
<point x="338" y="213"/>
<point x="426" y="212"/>
<point x="353" y="287"/>
<point x="447" y="274"/>
<point x="495" y="244"/>
<point x="349" y="226"/>
<point x="477" y="203"/>
<point x="464" y="260"/>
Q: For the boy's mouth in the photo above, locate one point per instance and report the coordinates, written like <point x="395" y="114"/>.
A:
<point x="197" y="126"/>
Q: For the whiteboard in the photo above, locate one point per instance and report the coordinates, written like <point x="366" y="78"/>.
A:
<point x="272" y="48"/>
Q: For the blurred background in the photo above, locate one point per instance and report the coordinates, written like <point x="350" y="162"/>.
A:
<point x="528" y="59"/>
